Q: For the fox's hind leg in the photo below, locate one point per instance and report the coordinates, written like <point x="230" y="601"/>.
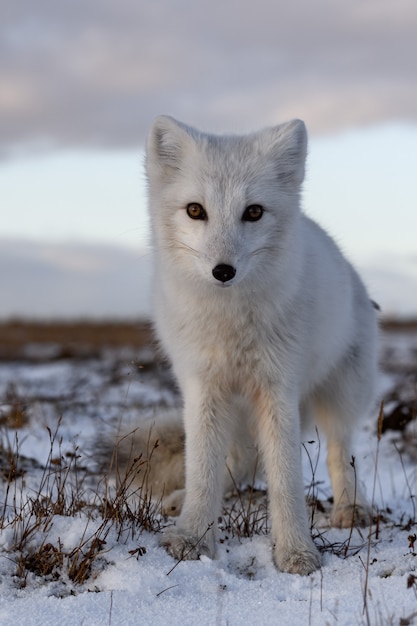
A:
<point x="338" y="405"/>
<point x="350" y="506"/>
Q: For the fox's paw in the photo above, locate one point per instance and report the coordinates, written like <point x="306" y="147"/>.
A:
<point x="303" y="562"/>
<point x="186" y="547"/>
<point x="347" y="515"/>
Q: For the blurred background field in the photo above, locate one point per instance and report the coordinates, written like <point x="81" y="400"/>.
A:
<point x="85" y="337"/>
<point x="19" y="339"/>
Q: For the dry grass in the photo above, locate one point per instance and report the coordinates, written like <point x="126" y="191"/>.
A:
<point x="64" y="489"/>
<point x="245" y="514"/>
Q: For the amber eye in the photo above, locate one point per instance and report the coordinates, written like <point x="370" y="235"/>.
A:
<point x="196" y="211"/>
<point x="252" y="213"/>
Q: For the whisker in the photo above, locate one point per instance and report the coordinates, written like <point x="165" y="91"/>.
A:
<point x="176" y="244"/>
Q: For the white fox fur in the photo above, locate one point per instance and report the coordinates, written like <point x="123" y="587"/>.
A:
<point x="283" y="327"/>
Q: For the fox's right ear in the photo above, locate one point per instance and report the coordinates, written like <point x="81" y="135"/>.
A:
<point x="167" y="143"/>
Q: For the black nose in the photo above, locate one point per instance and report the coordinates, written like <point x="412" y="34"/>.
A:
<point x="224" y="272"/>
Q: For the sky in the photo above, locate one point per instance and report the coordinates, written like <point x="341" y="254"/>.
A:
<point x="80" y="83"/>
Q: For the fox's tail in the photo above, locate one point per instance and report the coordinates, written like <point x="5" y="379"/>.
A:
<point x="151" y="456"/>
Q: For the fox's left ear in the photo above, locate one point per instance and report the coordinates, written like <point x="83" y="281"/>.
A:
<point x="288" y="149"/>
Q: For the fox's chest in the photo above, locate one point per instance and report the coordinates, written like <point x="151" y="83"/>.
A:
<point x="227" y="341"/>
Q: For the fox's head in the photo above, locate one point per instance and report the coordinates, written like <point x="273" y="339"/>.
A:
<point x="223" y="207"/>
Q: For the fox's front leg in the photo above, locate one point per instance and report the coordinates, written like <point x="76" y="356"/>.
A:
<point x="279" y="439"/>
<point x="206" y="442"/>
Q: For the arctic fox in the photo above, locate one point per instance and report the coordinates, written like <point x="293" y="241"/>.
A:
<point x="265" y="323"/>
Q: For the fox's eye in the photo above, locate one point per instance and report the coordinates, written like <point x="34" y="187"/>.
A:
<point x="252" y="213"/>
<point x="196" y="211"/>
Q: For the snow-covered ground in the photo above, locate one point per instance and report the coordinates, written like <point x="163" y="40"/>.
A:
<point x="66" y="408"/>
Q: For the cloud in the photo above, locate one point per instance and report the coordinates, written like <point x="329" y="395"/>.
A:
<point x="43" y="280"/>
<point x="94" y="73"/>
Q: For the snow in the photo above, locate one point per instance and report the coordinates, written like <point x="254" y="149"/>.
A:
<point x="84" y="400"/>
